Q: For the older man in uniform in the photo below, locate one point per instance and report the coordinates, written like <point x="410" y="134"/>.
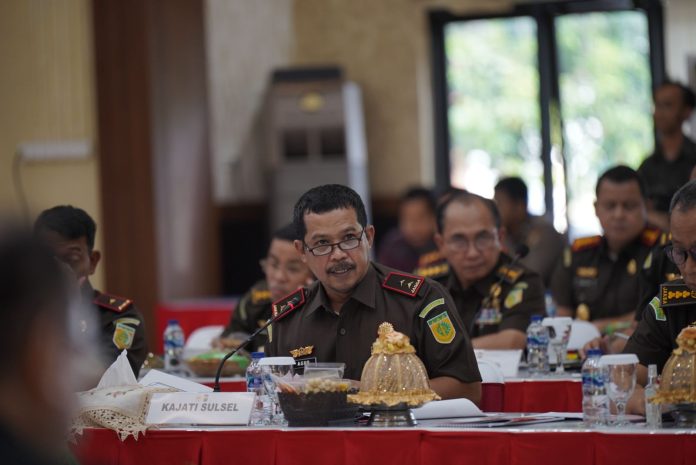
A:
<point x="598" y="278"/>
<point x="285" y="272"/>
<point x="70" y="233"/>
<point x="337" y="318"/>
<point x="674" y="308"/>
<point x="495" y="297"/>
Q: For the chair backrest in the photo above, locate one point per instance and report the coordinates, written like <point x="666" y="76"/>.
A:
<point x="581" y="333"/>
<point x="200" y="339"/>
<point x="490" y="372"/>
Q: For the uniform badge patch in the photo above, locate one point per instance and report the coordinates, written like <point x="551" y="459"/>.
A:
<point x="302" y="351"/>
<point x="435" y="303"/>
<point x="515" y="295"/>
<point x="442" y="328"/>
<point x="676" y="294"/>
<point x="403" y="283"/>
<point x="123" y="336"/>
<point x="657" y="308"/>
<point x="586" y="272"/>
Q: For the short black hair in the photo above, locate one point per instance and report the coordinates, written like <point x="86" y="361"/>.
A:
<point x="685" y="198"/>
<point x="688" y="96"/>
<point x="419" y="193"/>
<point x="465" y="198"/>
<point x="514" y="187"/>
<point x="69" y="222"/>
<point x="326" y="198"/>
<point x="286" y="233"/>
<point x="621" y="174"/>
<point x="32" y="282"/>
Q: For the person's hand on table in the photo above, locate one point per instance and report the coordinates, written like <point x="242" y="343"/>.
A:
<point x="600" y="343"/>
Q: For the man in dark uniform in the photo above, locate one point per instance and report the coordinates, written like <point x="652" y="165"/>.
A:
<point x="521" y="228"/>
<point x="598" y="278"/>
<point x="70" y="233"/>
<point x="285" y="272"/>
<point x="336" y="319"/>
<point x="494" y="297"/>
<point x="674" y="307"/>
<point x="669" y="166"/>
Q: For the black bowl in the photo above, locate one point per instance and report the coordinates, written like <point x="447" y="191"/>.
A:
<point x="318" y="409"/>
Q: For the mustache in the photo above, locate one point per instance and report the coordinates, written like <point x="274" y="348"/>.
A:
<point x="340" y="267"/>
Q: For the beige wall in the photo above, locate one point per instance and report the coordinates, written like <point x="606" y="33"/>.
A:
<point x="47" y="93"/>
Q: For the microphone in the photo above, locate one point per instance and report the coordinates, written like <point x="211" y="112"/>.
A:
<point x="289" y="306"/>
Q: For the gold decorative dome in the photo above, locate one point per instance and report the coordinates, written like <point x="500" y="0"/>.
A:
<point x="393" y="374"/>
<point x="678" y="385"/>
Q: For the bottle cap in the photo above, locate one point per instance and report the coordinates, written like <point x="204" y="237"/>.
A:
<point x="172" y="322"/>
<point x="258" y="355"/>
<point x="537" y="318"/>
<point x="594" y="353"/>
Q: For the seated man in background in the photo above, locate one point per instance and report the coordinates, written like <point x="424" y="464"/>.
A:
<point x="37" y="353"/>
<point x="411" y="244"/>
<point x="598" y="278"/>
<point x="668" y="312"/>
<point x="670" y="165"/>
<point x="285" y="272"/>
<point x="544" y="242"/>
<point x="336" y="319"/>
<point x="70" y="233"/>
<point x="495" y="297"/>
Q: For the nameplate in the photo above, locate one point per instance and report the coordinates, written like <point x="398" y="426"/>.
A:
<point x="191" y="408"/>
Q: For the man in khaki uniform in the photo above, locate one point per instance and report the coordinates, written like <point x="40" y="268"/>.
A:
<point x="336" y="319"/>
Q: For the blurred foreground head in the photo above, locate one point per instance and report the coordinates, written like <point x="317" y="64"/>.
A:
<point x="36" y="390"/>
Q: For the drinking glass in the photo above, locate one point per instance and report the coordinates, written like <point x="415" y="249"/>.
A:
<point x="620" y="372"/>
<point x="559" y="334"/>
<point x="274" y="368"/>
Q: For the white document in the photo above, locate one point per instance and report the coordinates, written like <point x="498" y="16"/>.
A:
<point x="507" y="360"/>
<point x="190" y="408"/>
<point x="451" y="408"/>
<point x="160" y="379"/>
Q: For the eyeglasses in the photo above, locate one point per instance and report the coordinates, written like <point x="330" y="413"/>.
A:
<point x="481" y="242"/>
<point x="678" y="255"/>
<point x="292" y="269"/>
<point x="326" y="249"/>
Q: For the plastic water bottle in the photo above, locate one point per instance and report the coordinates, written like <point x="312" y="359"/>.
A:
<point x="653" y="414"/>
<point x="173" y="347"/>
<point x="254" y="379"/>
<point x="537" y="347"/>
<point x="595" y="402"/>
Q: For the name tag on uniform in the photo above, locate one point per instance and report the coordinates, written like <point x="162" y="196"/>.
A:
<point x="192" y="408"/>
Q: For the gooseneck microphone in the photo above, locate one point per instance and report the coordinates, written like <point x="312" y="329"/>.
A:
<point x="289" y="305"/>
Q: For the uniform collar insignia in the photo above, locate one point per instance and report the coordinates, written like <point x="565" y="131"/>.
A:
<point x="586" y="272"/>
<point x="510" y="274"/>
<point x="111" y="302"/>
<point x="675" y="294"/>
<point x="403" y="283"/>
<point x="260" y="296"/>
<point x="586" y="243"/>
<point x="289" y="303"/>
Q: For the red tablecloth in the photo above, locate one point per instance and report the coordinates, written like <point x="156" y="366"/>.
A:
<point x="543" y="396"/>
<point x="385" y="447"/>
<point x="192" y="314"/>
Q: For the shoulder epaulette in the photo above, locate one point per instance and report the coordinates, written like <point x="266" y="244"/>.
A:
<point x="675" y="294"/>
<point x="584" y="243"/>
<point x="260" y="296"/>
<point x="429" y="258"/>
<point x="433" y="271"/>
<point x="650" y="236"/>
<point x="510" y="274"/>
<point x="112" y="302"/>
<point x="289" y="303"/>
<point x="403" y="283"/>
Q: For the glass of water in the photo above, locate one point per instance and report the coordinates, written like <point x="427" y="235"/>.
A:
<point x="620" y="371"/>
<point x="275" y="368"/>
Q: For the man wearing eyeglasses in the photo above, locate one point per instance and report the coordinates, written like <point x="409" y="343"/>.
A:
<point x="284" y="273"/>
<point x="674" y="308"/>
<point x="598" y="279"/>
<point x="495" y="298"/>
<point x="336" y="319"/>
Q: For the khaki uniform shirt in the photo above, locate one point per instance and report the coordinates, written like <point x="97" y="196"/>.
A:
<point x="121" y="326"/>
<point x="253" y="310"/>
<point x="415" y="306"/>
<point x="597" y="285"/>
<point x="486" y="310"/>
<point x="656" y="334"/>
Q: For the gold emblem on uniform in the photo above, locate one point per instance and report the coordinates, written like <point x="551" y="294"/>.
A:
<point x="302" y="351"/>
<point x="515" y="296"/>
<point x="442" y="328"/>
<point x="586" y="272"/>
<point x="632" y="267"/>
<point x="123" y="336"/>
<point x="583" y="312"/>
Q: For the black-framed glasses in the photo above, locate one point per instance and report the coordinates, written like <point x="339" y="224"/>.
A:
<point x="346" y="244"/>
<point x="481" y="242"/>
<point x="678" y="255"/>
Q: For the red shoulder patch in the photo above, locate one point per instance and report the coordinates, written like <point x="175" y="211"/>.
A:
<point x="650" y="236"/>
<point x="289" y="303"/>
<point x="403" y="283"/>
<point x="112" y="302"/>
<point x="585" y="243"/>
